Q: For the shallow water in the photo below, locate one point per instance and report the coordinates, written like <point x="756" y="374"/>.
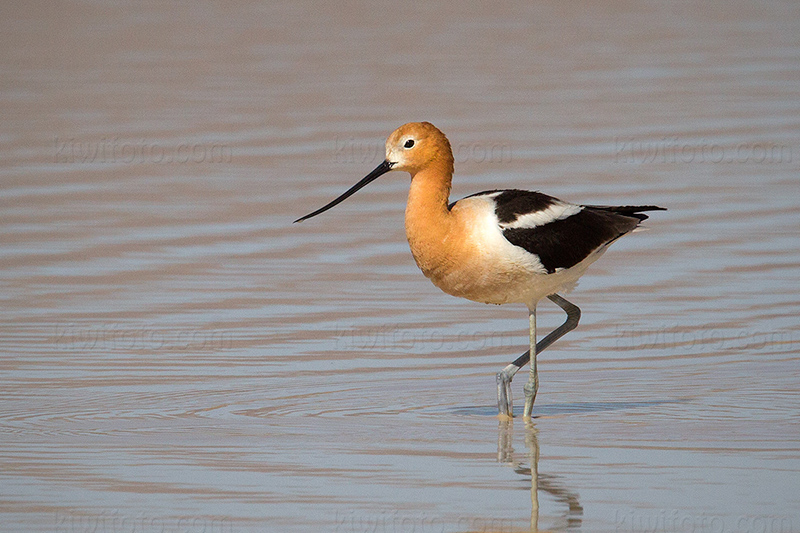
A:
<point x="177" y="356"/>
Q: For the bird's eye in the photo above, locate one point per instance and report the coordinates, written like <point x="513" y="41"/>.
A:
<point x="409" y="143"/>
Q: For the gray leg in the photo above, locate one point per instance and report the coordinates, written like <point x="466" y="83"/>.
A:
<point x="504" y="377"/>
<point x="505" y="399"/>
<point x="533" y="379"/>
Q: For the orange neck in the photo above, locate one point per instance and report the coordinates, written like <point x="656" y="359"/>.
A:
<point x="428" y="221"/>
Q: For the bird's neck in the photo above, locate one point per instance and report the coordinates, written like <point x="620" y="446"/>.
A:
<point x="428" y="221"/>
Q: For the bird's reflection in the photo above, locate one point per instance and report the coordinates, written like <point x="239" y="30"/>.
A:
<point x="571" y="515"/>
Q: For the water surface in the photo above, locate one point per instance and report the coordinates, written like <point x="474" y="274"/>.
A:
<point x="175" y="355"/>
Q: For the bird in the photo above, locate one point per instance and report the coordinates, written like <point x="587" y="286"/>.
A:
<point x="502" y="246"/>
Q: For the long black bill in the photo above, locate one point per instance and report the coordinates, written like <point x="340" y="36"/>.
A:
<point x="379" y="171"/>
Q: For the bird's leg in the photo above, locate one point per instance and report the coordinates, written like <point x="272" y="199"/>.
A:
<point x="505" y="399"/>
<point x="533" y="379"/>
<point x="504" y="377"/>
<point x="573" y="316"/>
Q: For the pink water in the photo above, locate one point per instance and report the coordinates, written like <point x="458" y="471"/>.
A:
<point x="175" y="355"/>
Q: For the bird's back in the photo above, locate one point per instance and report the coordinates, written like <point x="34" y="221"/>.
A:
<point x="523" y="245"/>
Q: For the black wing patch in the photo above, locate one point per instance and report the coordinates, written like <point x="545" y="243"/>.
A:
<point x="512" y="203"/>
<point x="565" y="243"/>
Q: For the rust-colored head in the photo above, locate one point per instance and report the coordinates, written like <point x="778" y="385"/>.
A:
<point x="412" y="147"/>
<point x="417" y="145"/>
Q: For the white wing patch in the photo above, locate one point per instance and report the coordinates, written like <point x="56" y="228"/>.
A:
<point x="487" y="236"/>
<point x="556" y="211"/>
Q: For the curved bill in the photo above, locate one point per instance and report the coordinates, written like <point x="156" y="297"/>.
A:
<point x="380" y="170"/>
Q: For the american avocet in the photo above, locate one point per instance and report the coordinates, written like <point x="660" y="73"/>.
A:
<point x="496" y="247"/>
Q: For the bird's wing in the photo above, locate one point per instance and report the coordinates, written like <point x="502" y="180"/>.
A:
<point x="558" y="233"/>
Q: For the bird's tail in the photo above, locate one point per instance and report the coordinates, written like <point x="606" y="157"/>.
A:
<point x="634" y="211"/>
